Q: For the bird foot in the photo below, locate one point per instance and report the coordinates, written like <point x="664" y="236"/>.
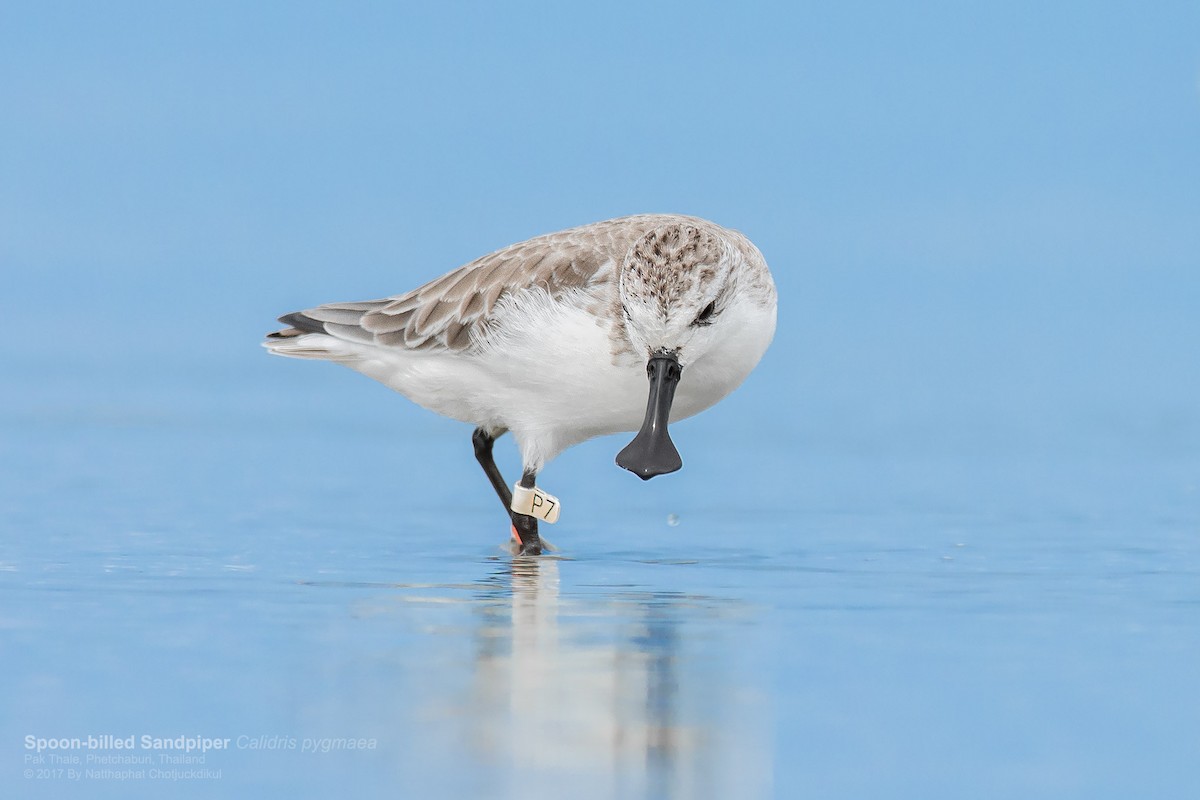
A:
<point x="531" y="546"/>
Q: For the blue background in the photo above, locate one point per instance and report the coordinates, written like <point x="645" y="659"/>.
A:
<point x="949" y="527"/>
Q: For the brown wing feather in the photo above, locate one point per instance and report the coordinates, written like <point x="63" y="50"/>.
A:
<point x="442" y="314"/>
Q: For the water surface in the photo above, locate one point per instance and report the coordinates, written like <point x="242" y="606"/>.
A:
<point x="986" y="621"/>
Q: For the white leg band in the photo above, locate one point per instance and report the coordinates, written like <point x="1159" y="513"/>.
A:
<point x="535" y="503"/>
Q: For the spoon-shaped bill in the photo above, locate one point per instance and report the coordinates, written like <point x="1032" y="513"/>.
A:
<point x="652" y="452"/>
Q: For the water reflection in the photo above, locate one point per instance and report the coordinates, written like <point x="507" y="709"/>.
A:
<point x="610" y="690"/>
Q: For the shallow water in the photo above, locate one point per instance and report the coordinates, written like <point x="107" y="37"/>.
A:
<point x="785" y="617"/>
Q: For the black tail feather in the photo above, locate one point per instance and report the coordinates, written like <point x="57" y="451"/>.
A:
<point x="300" y="322"/>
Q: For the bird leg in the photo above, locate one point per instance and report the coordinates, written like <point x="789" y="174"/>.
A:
<point x="524" y="526"/>
<point x="483" y="442"/>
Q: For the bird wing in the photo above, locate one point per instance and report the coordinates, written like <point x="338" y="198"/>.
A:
<point x="446" y="313"/>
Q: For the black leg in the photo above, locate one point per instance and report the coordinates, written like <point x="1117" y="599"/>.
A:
<point x="523" y="524"/>
<point x="527" y="527"/>
<point x="483" y="442"/>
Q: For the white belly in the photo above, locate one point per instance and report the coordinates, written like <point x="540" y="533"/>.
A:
<point x="550" y="378"/>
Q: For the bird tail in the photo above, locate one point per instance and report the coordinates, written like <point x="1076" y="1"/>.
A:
<point x="307" y="337"/>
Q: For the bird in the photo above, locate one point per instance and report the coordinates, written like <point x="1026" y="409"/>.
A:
<point x="617" y="326"/>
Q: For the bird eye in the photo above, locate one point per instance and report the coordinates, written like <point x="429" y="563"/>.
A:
<point x="706" y="314"/>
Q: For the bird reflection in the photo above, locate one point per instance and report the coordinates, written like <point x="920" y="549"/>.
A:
<point x="558" y="689"/>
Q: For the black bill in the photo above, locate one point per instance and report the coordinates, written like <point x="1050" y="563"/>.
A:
<point x="652" y="452"/>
